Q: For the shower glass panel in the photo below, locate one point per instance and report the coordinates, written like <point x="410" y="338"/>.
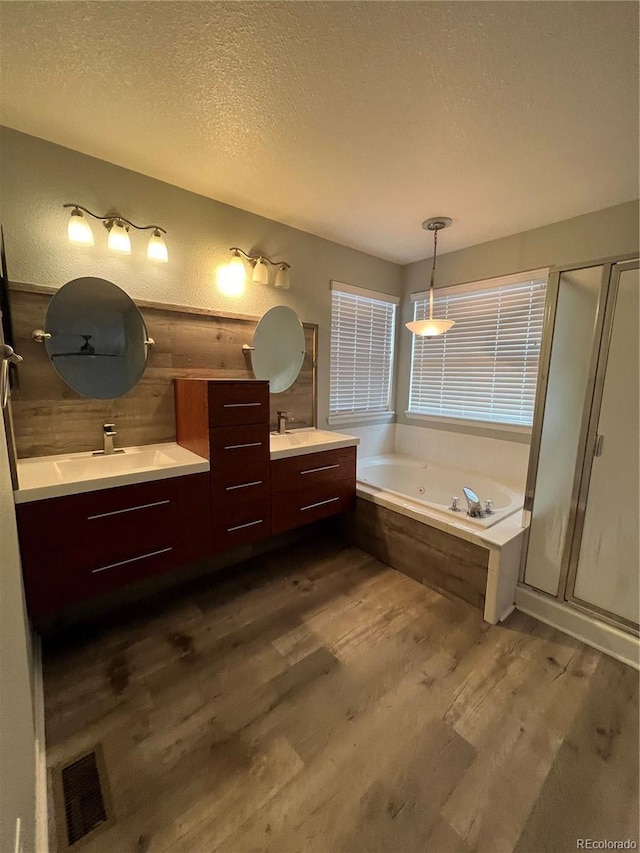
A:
<point x="573" y="356"/>
<point x="604" y="566"/>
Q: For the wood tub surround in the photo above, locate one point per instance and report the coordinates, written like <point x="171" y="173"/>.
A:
<point x="50" y="418"/>
<point x="446" y="563"/>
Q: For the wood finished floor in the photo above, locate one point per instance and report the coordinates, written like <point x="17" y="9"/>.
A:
<point x="317" y="701"/>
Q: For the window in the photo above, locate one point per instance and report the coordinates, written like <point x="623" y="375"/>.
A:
<point x="485" y="368"/>
<point x="362" y="342"/>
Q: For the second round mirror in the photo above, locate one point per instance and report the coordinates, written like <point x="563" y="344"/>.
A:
<point x="278" y="348"/>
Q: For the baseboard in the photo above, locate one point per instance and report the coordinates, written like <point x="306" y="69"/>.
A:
<point x="590" y="630"/>
<point x="42" y="808"/>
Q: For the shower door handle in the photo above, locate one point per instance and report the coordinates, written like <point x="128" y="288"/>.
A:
<point x="597" y="450"/>
<point x="7" y="357"/>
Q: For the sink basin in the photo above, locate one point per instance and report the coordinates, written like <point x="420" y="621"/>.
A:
<point x="136" y="459"/>
<point x="54" y="476"/>
<point x="302" y="441"/>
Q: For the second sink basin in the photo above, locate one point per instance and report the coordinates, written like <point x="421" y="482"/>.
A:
<point x="302" y="441"/>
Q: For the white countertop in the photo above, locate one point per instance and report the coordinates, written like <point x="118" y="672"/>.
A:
<point x="298" y="442"/>
<point x="45" y="477"/>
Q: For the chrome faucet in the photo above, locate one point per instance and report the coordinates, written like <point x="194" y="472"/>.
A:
<point x="474" y="507"/>
<point x="283" y="417"/>
<point x="108" y="434"/>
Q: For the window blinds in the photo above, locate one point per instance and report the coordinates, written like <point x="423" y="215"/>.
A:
<point x="362" y="343"/>
<point x="485" y="368"/>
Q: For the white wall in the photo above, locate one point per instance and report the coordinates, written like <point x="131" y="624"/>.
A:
<point x="38" y="177"/>
<point x="17" y="737"/>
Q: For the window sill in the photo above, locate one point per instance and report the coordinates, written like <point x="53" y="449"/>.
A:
<point x="508" y="432"/>
<point x="353" y="417"/>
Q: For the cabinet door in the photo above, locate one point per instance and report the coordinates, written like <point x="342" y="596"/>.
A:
<point x="605" y="562"/>
<point x="79" y="547"/>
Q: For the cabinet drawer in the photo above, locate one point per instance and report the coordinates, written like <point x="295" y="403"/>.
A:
<point x="241" y="523"/>
<point x="232" y="447"/>
<point x="78" y="547"/>
<point x="312" y="469"/>
<point x="237" y="403"/>
<point x="231" y="488"/>
<point x="293" y="509"/>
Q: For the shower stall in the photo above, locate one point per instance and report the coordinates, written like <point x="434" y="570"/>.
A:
<point x="581" y="502"/>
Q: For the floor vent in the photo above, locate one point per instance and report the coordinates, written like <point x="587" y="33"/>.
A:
<point x="82" y="797"/>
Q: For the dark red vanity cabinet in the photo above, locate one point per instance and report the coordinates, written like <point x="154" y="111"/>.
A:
<point x="79" y="547"/>
<point x="311" y="486"/>
<point x="227" y="421"/>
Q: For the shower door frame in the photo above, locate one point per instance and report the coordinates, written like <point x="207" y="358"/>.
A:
<point x="574" y="542"/>
<point x="603" y="324"/>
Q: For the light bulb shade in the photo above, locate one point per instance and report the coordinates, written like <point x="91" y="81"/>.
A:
<point x="157" y="248"/>
<point x="235" y="272"/>
<point x="78" y="230"/>
<point x="260" y="272"/>
<point x="119" y="239"/>
<point x="282" y="277"/>
<point x="430" y="328"/>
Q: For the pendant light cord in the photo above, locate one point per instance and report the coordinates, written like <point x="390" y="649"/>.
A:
<point x="433" y="272"/>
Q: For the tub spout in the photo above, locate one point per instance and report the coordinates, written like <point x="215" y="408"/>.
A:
<point x="474" y="507"/>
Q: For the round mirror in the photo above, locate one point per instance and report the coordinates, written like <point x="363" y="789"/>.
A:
<point x="278" y="348"/>
<point x="97" y="342"/>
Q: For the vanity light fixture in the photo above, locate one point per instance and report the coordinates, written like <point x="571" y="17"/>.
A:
<point x="78" y="230"/>
<point x="118" y="240"/>
<point x="431" y="328"/>
<point x="260" y="269"/>
<point x="80" y="233"/>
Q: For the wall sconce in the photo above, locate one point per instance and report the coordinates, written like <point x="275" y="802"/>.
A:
<point x="260" y="269"/>
<point x="80" y="233"/>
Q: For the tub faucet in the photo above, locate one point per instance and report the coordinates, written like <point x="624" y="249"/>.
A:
<point x="108" y="434"/>
<point x="474" y="507"/>
<point x="283" y="417"/>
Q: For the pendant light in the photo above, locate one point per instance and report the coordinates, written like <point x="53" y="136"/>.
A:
<point x="431" y="328"/>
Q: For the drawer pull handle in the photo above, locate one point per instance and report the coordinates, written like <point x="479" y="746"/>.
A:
<point x="128" y="509"/>
<point x="238" y="446"/>
<point x="131" y="560"/>
<point x="239" y="405"/>
<point x="320" y="503"/>
<point x="321" y="468"/>
<point x="241" y="526"/>
<point x="244" y="485"/>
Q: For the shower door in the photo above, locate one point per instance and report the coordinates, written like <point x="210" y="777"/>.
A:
<point x="603" y="566"/>
<point x="581" y="502"/>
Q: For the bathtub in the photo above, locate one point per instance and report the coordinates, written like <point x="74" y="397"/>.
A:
<point x="421" y="490"/>
<point x="428" y="488"/>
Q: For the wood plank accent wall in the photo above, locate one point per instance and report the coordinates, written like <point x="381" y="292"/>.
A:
<point x="49" y="417"/>
<point x="443" y="562"/>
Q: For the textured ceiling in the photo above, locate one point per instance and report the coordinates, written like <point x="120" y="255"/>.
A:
<point x="353" y="121"/>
